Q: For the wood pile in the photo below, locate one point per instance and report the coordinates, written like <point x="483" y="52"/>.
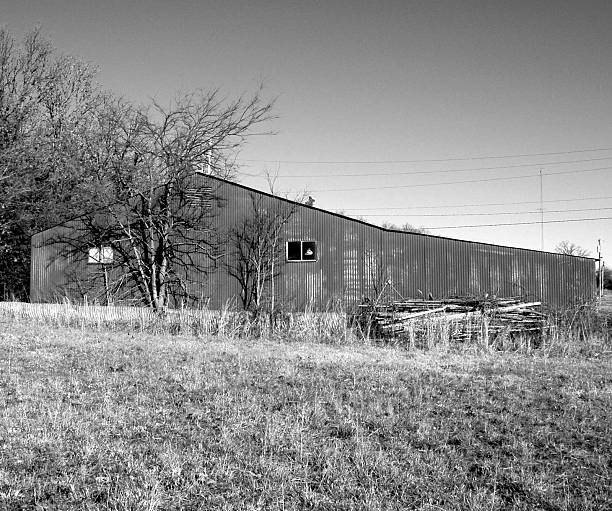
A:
<point x="467" y="318"/>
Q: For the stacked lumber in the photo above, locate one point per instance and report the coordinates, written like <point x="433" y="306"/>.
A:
<point x="467" y="317"/>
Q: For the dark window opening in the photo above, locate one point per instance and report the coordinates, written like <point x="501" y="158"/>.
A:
<point x="301" y="251"/>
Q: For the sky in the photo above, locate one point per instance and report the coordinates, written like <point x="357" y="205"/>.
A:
<point x="441" y="114"/>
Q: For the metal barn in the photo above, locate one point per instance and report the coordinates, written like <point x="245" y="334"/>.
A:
<point x="331" y="258"/>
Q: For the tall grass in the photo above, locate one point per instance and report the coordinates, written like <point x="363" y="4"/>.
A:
<point x="330" y="326"/>
<point x="578" y="330"/>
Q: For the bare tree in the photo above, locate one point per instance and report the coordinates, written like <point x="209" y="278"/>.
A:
<point x="377" y="273"/>
<point x="256" y="252"/>
<point x="606" y="277"/>
<point x="569" y="248"/>
<point x="157" y="215"/>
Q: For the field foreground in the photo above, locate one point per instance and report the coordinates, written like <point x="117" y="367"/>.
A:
<point x="95" y="420"/>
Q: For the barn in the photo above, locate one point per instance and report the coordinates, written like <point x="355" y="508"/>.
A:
<point x="327" y="258"/>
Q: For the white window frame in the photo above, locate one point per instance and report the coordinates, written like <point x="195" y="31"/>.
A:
<point x="301" y="242"/>
<point x="100" y="255"/>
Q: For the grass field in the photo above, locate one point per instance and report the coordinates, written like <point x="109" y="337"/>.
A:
<point x="125" y="421"/>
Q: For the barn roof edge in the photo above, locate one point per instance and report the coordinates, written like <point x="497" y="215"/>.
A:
<point x="344" y="217"/>
<point x="240" y="185"/>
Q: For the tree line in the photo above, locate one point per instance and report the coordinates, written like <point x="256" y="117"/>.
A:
<point x="69" y="148"/>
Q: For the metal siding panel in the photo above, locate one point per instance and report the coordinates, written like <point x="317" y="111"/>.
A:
<point x="487" y="282"/>
<point x="473" y="269"/>
<point x="442" y="277"/>
<point x="508" y="259"/>
<point x="458" y="262"/>
<point x="49" y="279"/>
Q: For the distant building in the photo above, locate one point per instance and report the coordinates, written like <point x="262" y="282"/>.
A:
<point x="331" y="258"/>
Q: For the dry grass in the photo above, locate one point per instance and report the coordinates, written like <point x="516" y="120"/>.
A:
<point x="578" y="331"/>
<point x="330" y="326"/>
<point x="92" y="419"/>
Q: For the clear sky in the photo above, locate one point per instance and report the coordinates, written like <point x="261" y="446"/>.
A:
<point x="366" y="88"/>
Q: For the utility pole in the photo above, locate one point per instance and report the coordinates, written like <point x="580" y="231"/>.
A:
<point x="600" y="270"/>
<point x="542" y="209"/>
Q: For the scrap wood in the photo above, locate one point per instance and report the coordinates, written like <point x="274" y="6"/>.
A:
<point x="410" y="315"/>
<point x="469" y="315"/>
<point x="519" y="306"/>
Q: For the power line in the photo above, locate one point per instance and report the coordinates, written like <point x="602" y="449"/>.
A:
<point x="417" y="172"/>
<point x="482" y="204"/>
<point x="435" y="160"/>
<point x="493" y="214"/>
<point x="466" y="181"/>
<point x="521" y="223"/>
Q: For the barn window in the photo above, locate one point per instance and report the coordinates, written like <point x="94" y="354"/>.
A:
<point x="301" y="251"/>
<point x="100" y="255"/>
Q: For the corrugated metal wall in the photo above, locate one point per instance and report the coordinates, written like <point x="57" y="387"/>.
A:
<point x="355" y="259"/>
<point x="58" y="272"/>
<point x="48" y="270"/>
